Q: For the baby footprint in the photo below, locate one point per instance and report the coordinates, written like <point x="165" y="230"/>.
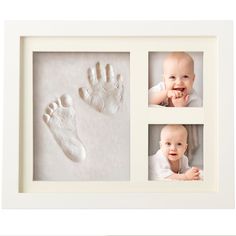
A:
<point x="60" y="118"/>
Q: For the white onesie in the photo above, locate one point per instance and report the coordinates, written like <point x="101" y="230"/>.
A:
<point x="194" y="99"/>
<point x="159" y="166"/>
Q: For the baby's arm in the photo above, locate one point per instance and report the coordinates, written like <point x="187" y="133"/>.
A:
<point x="177" y="177"/>
<point x="191" y="174"/>
<point x="157" y="98"/>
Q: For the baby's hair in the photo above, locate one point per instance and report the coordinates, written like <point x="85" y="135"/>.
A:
<point x="179" y="55"/>
<point x="174" y="127"/>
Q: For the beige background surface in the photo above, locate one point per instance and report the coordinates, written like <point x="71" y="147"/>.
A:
<point x="106" y="138"/>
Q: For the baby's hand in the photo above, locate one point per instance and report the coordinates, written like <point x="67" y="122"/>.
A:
<point x="174" y="94"/>
<point x="180" y="102"/>
<point x="192" y="174"/>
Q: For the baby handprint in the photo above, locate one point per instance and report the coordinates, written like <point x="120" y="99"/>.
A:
<point x="106" y="92"/>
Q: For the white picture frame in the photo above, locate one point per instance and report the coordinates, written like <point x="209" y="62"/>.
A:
<point x="214" y="39"/>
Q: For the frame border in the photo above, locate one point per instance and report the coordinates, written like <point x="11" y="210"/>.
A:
<point x="15" y="31"/>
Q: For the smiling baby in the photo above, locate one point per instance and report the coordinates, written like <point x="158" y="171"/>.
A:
<point x="176" y="89"/>
<point x="169" y="162"/>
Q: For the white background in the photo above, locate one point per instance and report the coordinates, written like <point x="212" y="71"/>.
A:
<point x="100" y="222"/>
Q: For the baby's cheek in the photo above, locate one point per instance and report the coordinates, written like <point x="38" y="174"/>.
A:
<point x="168" y="85"/>
<point x="189" y="86"/>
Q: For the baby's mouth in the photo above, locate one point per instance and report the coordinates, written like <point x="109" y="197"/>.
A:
<point x="179" y="89"/>
<point x="173" y="154"/>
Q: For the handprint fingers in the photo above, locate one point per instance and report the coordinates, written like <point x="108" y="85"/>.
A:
<point x="92" y="77"/>
<point x="120" y="87"/>
<point x="119" y="80"/>
<point x="110" y="77"/>
<point x="101" y="75"/>
<point x="106" y="90"/>
<point x="98" y="71"/>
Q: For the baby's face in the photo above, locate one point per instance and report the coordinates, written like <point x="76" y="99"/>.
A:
<point x="173" y="143"/>
<point x="179" y="74"/>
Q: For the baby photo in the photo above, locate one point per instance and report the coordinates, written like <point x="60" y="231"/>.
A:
<point x="176" y="152"/>
<point x="175" y="79"/>
<point x="81" y="116"/>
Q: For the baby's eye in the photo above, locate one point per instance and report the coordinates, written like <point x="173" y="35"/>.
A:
<point x="185" y="77"/>
<point x="179" y="144"/>
<point x="172" y="77"/>
<point x="168" y="143"/>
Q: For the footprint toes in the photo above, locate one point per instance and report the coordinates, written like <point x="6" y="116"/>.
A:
<point x="49" y="110"/>
<point x="66" y="100"/>
<point x="46" y="118"/>
<point x="53" y="106"/>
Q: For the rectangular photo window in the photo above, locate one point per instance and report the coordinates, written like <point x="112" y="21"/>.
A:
<point x="175" y="79"/>
<point x="176" y="152"/>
